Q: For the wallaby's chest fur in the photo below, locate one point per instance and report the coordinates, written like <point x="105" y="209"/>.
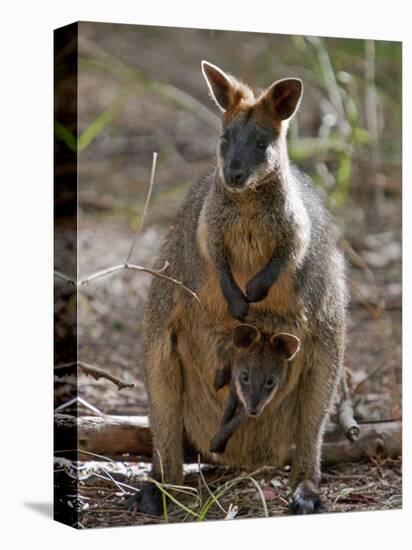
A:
<point x="249" y="243"/>
<point x="251" y="229"/>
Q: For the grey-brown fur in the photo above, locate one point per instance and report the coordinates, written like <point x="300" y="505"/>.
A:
<point x="307" y="299"/>
<point x="255" y="368"/>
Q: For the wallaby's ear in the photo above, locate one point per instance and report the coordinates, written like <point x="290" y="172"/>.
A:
<point x="284" y="96"/>
<point x="224" y="89"/>
<point x="244" y="336"/>
<point x="286" y="345"/>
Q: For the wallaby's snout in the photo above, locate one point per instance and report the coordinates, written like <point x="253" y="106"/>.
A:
<point x="234" y="175"/>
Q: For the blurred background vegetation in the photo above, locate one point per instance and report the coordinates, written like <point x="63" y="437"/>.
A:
<point x="141" y="89"/>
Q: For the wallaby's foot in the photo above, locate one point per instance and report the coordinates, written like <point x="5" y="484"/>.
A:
<point x="147" y="501"/>
<point x="238" y="307"/>
<point x="306" y="500"/>
<point x="258" y="288"/>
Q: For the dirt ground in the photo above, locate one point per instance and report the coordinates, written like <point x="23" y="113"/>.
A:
<point x="105" y="488"/>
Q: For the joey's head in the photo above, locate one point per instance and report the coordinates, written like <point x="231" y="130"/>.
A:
<point x="253" y="140"/>
<point x="260" y="365"/>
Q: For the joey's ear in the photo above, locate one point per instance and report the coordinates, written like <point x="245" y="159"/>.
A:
<point x="284" y="96"/>
<point x="244" y="336"/>
<point x="286" y="345"/>
<point x="224" y="89"/>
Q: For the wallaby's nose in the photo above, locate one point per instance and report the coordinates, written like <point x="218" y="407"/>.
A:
<point x="235" y="176"/>
<point x="234" y="173"/>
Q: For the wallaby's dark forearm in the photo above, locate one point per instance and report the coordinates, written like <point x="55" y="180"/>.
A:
<point x="222" y="377"/>
<point x="237" y="302"/>
<point x="231" y="406"/>
<point x="227" y="429"/>
<point x="259" y="286"/>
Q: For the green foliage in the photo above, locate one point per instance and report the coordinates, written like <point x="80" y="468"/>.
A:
<point x="357" y="83"/>
<point x="94" y="129"/>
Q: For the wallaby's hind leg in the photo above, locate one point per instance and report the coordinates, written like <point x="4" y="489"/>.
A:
<point x="164" y="388"/>
<point x="318" y="390"/>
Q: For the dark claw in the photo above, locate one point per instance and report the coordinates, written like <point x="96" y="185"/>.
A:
<point x="218" y="445"/>
<point x="147" y="501"/>
<point x="303" y="503"/>
<point x="239" y="308"/>
<point x="257" y="289"/>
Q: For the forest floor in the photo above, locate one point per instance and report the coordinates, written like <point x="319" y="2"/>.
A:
<point x="105" y="488"/>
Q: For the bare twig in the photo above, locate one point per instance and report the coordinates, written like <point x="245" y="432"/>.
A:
<point x="81" y="401"/>
<point x="166" y="278"/>
<point x="146" y="206"/>
<point x="156" y="272"/>
<point x="64" y="277"/>
<point x="96" y="372"/>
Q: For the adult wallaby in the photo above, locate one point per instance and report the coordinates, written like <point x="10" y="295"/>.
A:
<point x="253" y="235"/>
<point x="255" y="367"/>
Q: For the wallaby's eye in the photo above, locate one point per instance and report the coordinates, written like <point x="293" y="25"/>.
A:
<point x="270" y="382"/>
<point x="261" y="145"/>
<point x="244" y="377"/>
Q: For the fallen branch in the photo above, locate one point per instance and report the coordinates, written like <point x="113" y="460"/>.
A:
<point x="346" y="413"/>
<point x="115" y="436"/>
<point x="91" y="370"/>
<point x="347" y="421"/>
<point x="382" y="439"/>
<point x="105" y="435"/>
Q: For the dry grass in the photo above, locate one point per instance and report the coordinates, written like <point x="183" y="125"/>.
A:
<point x="105" y="487"/>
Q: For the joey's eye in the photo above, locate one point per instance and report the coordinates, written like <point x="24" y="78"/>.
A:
<point x="244" y="377"/>
<point x="270" y="382"/>
<point x="261" y="145"/>
<point x="224" y="138"/>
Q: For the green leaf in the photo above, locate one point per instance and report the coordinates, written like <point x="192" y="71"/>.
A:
<point x="65" y="135"/>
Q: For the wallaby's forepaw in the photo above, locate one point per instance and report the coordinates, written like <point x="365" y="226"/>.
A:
<point x="306" y="500"/>
<point x="218" y="445"/>
<point x="239" y="307"/>
<point x="147" y="501"/>
<point x="257" y="289"/>
<point x="222" y="378"/>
